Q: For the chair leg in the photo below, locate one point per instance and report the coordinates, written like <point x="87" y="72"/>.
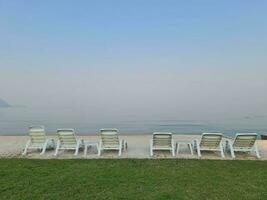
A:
<point x="257" y="151"/>
<point x="178" y="147"/>
<point x="227" y="145"/>
<point x="151" y="151"/>
<point x="191" y="149"/>
<point x="198" y="149"/>
<point x="77" y="148"/>
<point x="173" y="149"/>
<point x="99" y="148"/>
<point x="125" y="145"/>
<point x="57" y="148"/>
<point x="53" y="143"/>
<point x="120" y="147"/>
<point x="151" y="148"/>
<point x="222" y="153"/>
<point x="173" y="152"/>
<point x="44" y="147"/>
<point x="85" y="150"/>
<point x="232" y="150"/>
<point x="198" y="152"/>
<point x="26" y="147"/>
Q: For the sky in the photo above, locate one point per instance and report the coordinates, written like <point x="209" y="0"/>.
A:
<point x="136" y="59"/>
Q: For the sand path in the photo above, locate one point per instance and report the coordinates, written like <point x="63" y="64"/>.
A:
<point x="138" y="147"/>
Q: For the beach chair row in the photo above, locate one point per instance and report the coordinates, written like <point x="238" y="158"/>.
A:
<point x="67" y="140"/>
<point x="243" y="142"/>
<point x="109" y="140"/>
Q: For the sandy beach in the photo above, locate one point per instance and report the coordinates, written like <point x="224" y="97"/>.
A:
<point x="138" y="147"/>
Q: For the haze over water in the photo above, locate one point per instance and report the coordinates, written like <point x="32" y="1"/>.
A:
<point x="15" y="121"/>
<point x="139" y="66"/>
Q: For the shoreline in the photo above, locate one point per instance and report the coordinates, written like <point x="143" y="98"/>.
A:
<point x="96" y="134"/>
<point x="138" y="148"/>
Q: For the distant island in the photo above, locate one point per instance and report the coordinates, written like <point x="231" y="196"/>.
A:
<point x="4" y="104"/>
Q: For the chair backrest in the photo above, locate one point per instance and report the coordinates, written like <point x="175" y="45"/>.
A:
<point x="211" y="140"/>
<point x="245" y="140"/>
<point x="109" y="137"/>
<point x="37" y="134"/>
<point x="67" y="137"/>
<point x="163" y="139"/>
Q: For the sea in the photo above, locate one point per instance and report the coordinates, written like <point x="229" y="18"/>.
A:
<point x="16" y="120"/>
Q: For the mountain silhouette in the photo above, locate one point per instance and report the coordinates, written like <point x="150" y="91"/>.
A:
<point x="4" y="104"/>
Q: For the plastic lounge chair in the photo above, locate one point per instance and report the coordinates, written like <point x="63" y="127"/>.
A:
<point x="38" y="140"/>
<point x="209" y="142"/>
<point x="243" y="142"/>
<point x="110" y="141"/>
<point x="162" y="141"/>
<point x="68" y="140"/>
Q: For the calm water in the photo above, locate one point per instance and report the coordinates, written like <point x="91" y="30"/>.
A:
<point x="16" y="120"/>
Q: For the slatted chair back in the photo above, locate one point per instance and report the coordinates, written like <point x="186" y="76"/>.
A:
<point x="37" y="135"/>
<point x="162" y="139"/>
<point x="110" y="138"/>
<point x="245" y="140"/>
<point x="210" y="140"/>
<point x="67" y="137"/>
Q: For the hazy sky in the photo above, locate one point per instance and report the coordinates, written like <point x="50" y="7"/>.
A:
<point x="137" y="59"/>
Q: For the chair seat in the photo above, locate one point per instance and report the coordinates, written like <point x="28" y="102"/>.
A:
<point x="162" y="147"/>
<point x="111" y="147"/>
<point x="242" y="148"/>
<point x="209" y="148"/>
<point x="68" y="146"/>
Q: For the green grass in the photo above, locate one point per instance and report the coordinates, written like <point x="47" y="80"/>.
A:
<point x="132" y="179"/>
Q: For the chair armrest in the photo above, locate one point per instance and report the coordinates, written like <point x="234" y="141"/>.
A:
<point x="151" y="142"/>
<point x="173" y="143"/>
<point x="228" y="137"/>
<point x="229" y="141"/>
<point x="124" y="144"/>
<point x="195" y="143"/>
<point x="100" y="143"/>
<point x="29" y="141"/>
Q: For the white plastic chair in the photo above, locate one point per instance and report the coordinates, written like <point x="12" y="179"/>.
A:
<point x="162" y="141"/>
<point x="38" y="140"/>
<point x="68" y="140"/>
<point x="209" y="142"/>
<point x="243" y="142"/>
<point x="110" y="141"/>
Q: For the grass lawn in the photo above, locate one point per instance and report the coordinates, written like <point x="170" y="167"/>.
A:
<point x="132" y="179"/>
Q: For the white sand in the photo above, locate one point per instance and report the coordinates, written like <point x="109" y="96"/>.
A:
<point x="138" y="147"/>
